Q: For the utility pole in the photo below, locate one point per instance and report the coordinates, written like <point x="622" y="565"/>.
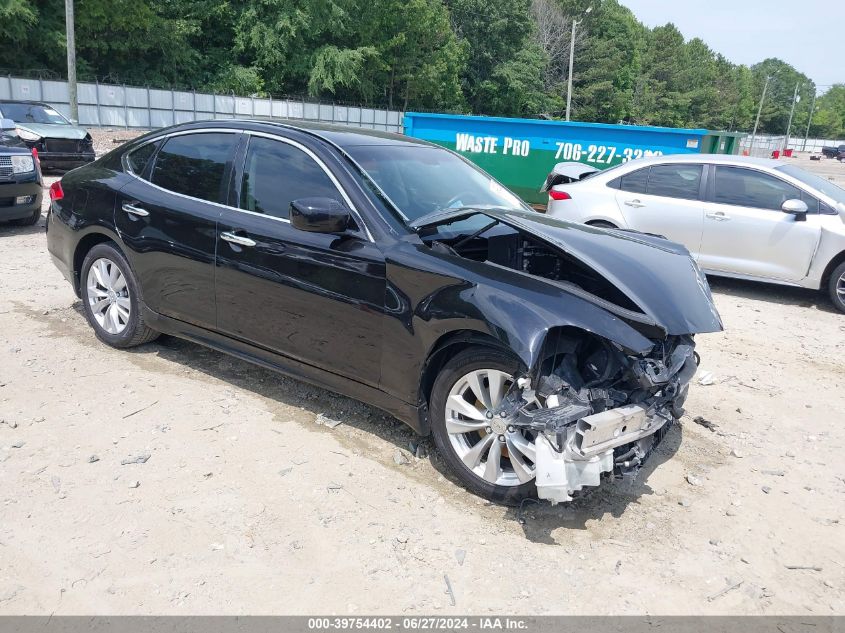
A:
<point x="791" y="113"/>
<point x="809" y="121"/>
<point x="71" y="62"/>
<point x="759" y="110"/>
<point x="571" y="60"/>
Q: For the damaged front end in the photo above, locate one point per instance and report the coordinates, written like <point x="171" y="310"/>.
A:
<point x="595" y="410"/>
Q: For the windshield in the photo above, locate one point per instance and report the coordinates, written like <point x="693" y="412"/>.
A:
<point x="816" y="182"/>
<point x="32" y="113"/>
<point x="420" y="180"/>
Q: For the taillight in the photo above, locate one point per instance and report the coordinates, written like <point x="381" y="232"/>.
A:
<point x="35" y="158"/>
<point x="56" y="192"/>
<point x="559" y="195"/>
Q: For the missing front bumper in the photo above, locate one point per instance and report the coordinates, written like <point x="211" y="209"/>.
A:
<point x="588" y="450"/>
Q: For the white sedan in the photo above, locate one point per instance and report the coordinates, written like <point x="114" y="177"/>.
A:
<point x="749" y="218"/>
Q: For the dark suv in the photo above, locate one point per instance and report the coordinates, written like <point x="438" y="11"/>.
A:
<point x="20" y="178"/>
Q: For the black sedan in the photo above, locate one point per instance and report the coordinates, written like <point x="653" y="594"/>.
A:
<point x="20" y="179"/>
<point x="541" y="355"/>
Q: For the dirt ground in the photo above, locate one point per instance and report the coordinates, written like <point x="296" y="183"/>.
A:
<point x="252" y="501"/>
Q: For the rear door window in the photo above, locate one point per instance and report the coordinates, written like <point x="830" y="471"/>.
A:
<point x="193" y="164"/>
<point x="138" y="159"/>
<point x="635" y="182"/>
<point x="750" y="188"/>
<point x="675" y="181"/>
<point x="276" y="173"/>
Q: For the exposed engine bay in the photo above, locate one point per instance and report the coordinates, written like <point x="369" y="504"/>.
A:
<point x="501" y="246"/>
<point x="593" y="410"/>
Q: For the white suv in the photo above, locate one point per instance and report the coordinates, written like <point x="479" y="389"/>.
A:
<point x="739" y="217"/>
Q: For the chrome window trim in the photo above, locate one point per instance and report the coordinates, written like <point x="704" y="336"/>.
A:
<point x="274" y="137"/>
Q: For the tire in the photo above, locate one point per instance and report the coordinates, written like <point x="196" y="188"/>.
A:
<point x="33" y="219"/>
<point x="455" y="447"/>
<point x="112" y="283"/>
<point x="836" y="287"/>
<point x="601" y="224"/>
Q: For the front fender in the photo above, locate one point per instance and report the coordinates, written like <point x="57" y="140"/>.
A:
<point x="455" y="294"/>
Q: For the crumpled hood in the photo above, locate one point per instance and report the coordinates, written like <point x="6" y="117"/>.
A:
<point x="54" y="131"/>
<point x="659" y="276"/>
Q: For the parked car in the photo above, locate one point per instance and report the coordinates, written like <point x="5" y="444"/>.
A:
<point x="395" y="272"/>
<point x="834" y="152"/>
<point x="20" y="178"/>
<point x="748" y="218"/>
<point x="60" y="143"/>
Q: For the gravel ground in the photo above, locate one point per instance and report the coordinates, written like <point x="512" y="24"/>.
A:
<point x="244" y="497"/>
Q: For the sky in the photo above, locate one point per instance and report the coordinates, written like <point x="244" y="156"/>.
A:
<point x="749" y="31"/>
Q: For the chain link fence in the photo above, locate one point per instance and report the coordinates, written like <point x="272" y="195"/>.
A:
<point x="111" y="105"/>
<point x="765" y="144"/>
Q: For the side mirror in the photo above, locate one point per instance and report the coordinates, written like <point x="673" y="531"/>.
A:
<point x="794" y="207"/>
<point x="74" y="121"/>
<point x="319" y="215"/>
<point x="7" y="124"/>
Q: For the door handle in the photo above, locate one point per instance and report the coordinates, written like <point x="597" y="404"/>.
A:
<point x="634" y="203"/>
<point x="240" y="240"/>
<point x="719" y="216"/>
<point x="131" y="209"/>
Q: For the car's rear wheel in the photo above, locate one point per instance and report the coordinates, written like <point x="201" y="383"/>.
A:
<point x="492" y="459"/>
<point x="111" y="298"/>
<point x="32" y="219"/>
<point x="836" y="287"/>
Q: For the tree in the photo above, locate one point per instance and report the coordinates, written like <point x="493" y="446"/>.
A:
<point x="775" y="114"/>
<point x="829" y="119"/>
<point x="496" y="57"/>
<point x="501" y="59"/>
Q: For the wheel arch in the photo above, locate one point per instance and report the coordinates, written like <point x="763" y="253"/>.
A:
<point x="601" y="223"/>
<point x="83" y="247"/>
<point x="831" y="266"/>
<point x="444" y="349"/>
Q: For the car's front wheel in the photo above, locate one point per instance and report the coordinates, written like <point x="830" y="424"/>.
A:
<point x="490" y="457"/>
<point x="836" y="287"/>
<point x="111" y="298"/>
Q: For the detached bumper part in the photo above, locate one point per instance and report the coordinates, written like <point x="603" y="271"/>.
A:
<point x="575" y="451"/>
<point x="588" y="450"/>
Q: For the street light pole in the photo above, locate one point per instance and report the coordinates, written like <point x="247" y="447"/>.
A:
<point x="571" y="60"/>
<point x="809" y="122"/>
<point x="791" y="113"/>
<point x="71" y="61"/>
<point x="759" y="110"/>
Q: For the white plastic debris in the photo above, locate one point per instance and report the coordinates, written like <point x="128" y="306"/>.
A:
<point x="706" y="378"/>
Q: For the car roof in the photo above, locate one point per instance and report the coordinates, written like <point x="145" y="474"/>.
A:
<point x="41" y="103"/>
<point x="717" y="159"/>
<point x="339" y="135"/>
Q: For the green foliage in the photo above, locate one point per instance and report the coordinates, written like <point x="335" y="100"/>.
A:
<point x="16" y="17"/>
<point x="829" y="118"/>
<point x="496" y="57"/>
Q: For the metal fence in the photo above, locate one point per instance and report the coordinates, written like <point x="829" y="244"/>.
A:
<point x="764" y="145"/>
<point x="107" y="105"/>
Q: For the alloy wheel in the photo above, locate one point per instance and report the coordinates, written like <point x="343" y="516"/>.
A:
<point x="840" y="288"/>
<point x="108" y="296"/>
<point x="493" y="450"/>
